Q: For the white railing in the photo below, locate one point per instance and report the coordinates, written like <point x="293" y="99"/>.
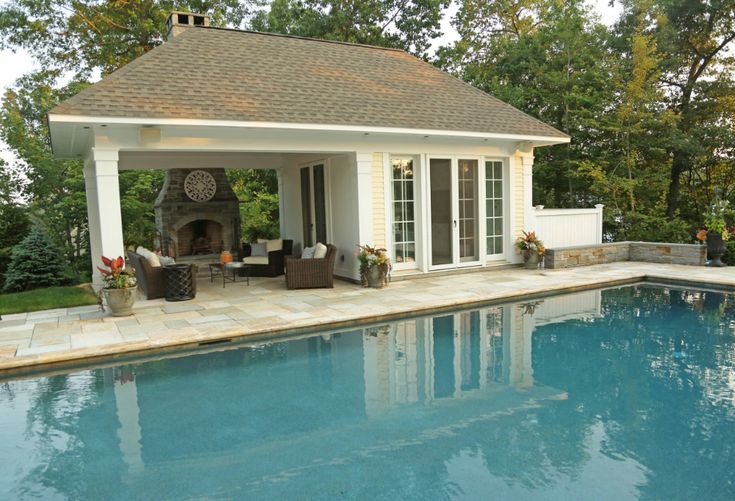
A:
<point x="568" y="227"/>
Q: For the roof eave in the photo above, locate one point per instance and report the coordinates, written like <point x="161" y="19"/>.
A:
<point x="535" y="139"/>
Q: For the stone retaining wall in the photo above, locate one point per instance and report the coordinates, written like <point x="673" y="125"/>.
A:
<point x="650" y="252"/>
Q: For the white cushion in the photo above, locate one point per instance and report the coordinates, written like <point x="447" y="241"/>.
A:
<point x="272" y="245"/>
<point x="255" y="260"/>
<point x="259" y="249"/>
<point x="166" y="260"/>
<point x="321" y="251"/>
<point x="308" y="252"/>
<point x="150" y="256"/>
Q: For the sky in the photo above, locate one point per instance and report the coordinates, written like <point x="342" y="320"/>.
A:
<point x="14" y="65"/>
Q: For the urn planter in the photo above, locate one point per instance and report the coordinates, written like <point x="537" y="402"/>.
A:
<point x="120" y="301"/>
<point x="376" y="277"/>
<point x="716" y="247"/>
<point x="531" y="259"/>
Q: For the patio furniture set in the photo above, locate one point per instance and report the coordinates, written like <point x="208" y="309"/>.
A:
<point x="267" y="258"/>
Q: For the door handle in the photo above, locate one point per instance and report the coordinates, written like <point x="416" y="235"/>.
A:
<point x="455" y="223"/>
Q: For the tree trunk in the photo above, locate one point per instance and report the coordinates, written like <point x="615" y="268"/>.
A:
<point x="678" y="165"/>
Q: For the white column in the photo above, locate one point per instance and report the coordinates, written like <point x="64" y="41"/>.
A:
<point x="599" y="208"/>
<point x="529" y="216"/>
<point x="281" y="204"/>
<point x="364" y="161"/>
<point x="103" y="207"/>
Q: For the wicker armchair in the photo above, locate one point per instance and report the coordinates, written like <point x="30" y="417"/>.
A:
<point x="311" y="273"/>
<point x="150" y="278"/>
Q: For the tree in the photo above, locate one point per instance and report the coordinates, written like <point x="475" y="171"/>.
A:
<point x="406" y="24"/>
<point x="695" y="37"/>
<point x="89" y="36"/>
<point x="14" y="220"/>
<point x="35" y="262"/>
<point x="257" y="190"/>
<point x="550" y="60"/>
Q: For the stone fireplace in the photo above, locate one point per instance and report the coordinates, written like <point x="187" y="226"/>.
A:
<point x="197" y="213"/>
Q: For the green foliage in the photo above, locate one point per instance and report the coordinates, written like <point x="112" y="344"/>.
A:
<point x="35" y="262"/>
<point x="14" y="218"/>
<point x="46" y="299"/>
<point x="138" y="192"/>
<point x="257" y="190"/>
<point x="646" y="103"/>
<point x="406" y="24"/>
<point x="85" y="36"/>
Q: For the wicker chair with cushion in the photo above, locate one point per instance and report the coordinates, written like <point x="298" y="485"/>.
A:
<point x="150" y="278"/>
<point x="311" y="273"/>
<point x="270" y="265"/>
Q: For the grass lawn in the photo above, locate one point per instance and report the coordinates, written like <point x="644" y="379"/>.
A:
<point x="46" y="299"/>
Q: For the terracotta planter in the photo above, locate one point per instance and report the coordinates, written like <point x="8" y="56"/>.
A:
<point x="376" y="277"/>
<point x="531" y="259"/>
<point x="120" y="301"/>
<point x="716" y="247"/>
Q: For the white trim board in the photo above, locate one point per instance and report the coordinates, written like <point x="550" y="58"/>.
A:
<point x="91" y="120"/>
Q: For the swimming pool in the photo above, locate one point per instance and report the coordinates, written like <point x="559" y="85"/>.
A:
<point x="613" y="394"/>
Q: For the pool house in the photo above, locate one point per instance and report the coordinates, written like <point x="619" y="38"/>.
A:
<point x="371" y="145"/>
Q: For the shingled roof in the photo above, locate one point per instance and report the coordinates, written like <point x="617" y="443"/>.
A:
<point x="222" y="74"/>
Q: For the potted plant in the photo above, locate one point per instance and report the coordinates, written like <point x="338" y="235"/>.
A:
<point x="374" y="266"/>
<point x="532" y="248"/>
<point x="120" y="287"/>
<point x="717" y="232"/>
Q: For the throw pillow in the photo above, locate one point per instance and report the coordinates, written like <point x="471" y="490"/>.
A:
<point x="321" y="251"/>
<point x="272" y="245"/>
<point x="150" y="256"/>
<point x="308" y="253"/>
<point x="166" y="260"/>
<point x="259" y="249"/>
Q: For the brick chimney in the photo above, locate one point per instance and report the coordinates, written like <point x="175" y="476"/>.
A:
<point x="179" y="21"/>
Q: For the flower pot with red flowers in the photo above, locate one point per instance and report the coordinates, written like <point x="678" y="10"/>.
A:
<point x="120" y="287"/>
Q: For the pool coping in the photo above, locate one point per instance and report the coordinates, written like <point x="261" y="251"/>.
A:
<point x="114" y="354"/>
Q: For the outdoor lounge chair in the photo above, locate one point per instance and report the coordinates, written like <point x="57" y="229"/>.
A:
<point x="150" y="278"/>
<point x="311" y="273"/>
<point x="272" y="266"/>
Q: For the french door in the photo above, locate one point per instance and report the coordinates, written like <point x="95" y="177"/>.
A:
<point x="313" y="205"/>
<point x="454" y="222"/>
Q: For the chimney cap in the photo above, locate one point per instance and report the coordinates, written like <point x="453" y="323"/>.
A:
<point x="179" y="20"/>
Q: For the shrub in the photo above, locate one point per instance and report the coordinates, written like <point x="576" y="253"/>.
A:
<point x="35" y="262"/>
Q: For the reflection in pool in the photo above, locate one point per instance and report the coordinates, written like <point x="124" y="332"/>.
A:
<point x="624" y="393"/>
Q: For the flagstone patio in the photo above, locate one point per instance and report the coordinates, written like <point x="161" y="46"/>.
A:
<point x="266" y="307"/>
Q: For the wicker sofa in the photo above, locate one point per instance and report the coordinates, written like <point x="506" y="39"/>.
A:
<point x="275" y="262"/>
<point x="311" y="273"/>
<point x="150" y="278"/>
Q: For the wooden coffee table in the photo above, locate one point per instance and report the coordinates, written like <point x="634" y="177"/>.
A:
<point x="225" y="269"/>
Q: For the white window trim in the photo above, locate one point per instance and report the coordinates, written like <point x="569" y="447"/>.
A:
<point x="417" y="209"/>
<point x="493" y="258"/>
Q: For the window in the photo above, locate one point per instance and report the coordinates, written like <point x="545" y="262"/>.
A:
<point x="404" y="222"/>
<point x="494" y="206"/>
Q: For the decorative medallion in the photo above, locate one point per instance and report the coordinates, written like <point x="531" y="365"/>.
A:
<point x="200" y="186"/>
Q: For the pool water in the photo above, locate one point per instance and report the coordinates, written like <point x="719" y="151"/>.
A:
<point x="614" y="394"/>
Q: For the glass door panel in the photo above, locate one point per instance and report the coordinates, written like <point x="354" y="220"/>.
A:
<point x="313" y="205"/>
<point x="494" y="206"/>
<point x="306" y="220"/>
<point x="442" y="235"/>
<point x="320" y="208"/>
<point x="467" y="214"/>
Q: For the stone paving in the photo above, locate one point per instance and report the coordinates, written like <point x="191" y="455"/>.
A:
<point x="267" y="307"/>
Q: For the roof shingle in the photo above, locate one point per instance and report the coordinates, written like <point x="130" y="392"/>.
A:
<point x="221" y="74"/>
